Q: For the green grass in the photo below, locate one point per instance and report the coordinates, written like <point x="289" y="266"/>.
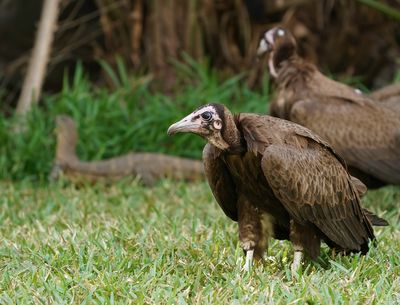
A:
<point x="170" y="244"/>
<point x="113" y="122"/>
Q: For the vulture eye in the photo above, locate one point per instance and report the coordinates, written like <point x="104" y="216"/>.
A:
<point x="280" y="32"/>
<point x="207" y="115"/>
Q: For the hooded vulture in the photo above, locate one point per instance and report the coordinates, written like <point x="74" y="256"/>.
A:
<point x="364" y="132"/>
<point x="279" y="179"/>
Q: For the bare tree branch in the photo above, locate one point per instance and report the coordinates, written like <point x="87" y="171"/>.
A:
<point x="33" y="81"/>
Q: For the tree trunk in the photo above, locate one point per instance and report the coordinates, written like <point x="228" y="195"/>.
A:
<point x="33" y="81"/>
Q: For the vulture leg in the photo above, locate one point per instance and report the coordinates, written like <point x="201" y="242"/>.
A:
<point x="303" y="238"/>
<point x="254" y="230"/>
<point x="297" y="258"/>
<point x="249" y="260"/>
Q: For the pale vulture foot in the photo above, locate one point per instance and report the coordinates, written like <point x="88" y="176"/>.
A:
<point x="249" y="248"/>
<point x="249" y="260"/>
<point x="298" y="257"/>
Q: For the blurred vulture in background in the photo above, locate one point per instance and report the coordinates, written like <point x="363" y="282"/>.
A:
<point x="364" y="132"/>
<point x="389" y="96"/>
<point x="279" y="179"/>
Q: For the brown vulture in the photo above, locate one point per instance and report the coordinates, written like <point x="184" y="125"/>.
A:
<point x="388" y="96"/>
<point x="279" y="179"/>
<point x="364" y="132"/>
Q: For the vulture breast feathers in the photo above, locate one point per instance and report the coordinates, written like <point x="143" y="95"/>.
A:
<point x="364" y="132"/>
<point x="279" y="179"/>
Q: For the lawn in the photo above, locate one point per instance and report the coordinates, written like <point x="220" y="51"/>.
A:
<point x="170" y="244"/>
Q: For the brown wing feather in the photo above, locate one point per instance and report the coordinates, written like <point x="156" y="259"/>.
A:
<point x="367" y="137"/>
<point x="388" y="96"/>
<point x="324" y="86"/>
<point x="220" y="181"/>
<point x="387" y="92"/>
<point x="309" y="179"/>
<point x="314" y="187"/>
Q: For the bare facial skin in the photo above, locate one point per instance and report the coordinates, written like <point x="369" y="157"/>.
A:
<point x="205" y="122"/>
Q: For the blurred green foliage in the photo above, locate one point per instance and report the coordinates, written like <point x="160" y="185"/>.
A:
<point x="129" y="118"/>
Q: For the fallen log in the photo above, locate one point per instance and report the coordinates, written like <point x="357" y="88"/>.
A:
<point x="147" y="167"/>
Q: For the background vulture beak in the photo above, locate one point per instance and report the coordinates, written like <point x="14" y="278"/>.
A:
<point x="184" y="125"/>
<point x="262" y="48"/>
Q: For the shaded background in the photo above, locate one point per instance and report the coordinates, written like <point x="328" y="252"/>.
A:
<point x="124" y="70"/>
<point x="345" y="38"/>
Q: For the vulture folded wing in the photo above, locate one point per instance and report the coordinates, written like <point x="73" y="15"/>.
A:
<point x="220" y="181"/>
<point x="389" y="97"/>
<point x="324" y="86"/>
<point x="387" y="92"/>
<point x="367" y="137"/>
<point x="314" y="187"/>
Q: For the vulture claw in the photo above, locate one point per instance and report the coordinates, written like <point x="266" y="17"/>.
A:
<point x="249" y="260"/>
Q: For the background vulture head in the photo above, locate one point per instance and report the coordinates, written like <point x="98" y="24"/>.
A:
<point x="279" y="44"/>
<point x="208" y="121"/>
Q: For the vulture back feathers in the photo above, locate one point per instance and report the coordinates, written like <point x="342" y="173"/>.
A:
<point x="389" y="96"/>
<point x="279" y="179"/>
<point x="364" y="132"/>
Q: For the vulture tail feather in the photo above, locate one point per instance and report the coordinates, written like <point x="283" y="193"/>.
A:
<point x="374" y="219"/>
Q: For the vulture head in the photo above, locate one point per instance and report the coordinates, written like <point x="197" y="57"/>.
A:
<point x="214" y="122"/>
<point x="280" y="45"/>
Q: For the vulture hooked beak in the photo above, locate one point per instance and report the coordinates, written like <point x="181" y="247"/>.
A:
<point x="266" y="42"/>
<point x="263" y="47"/>
<point x="187" y="124"/>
